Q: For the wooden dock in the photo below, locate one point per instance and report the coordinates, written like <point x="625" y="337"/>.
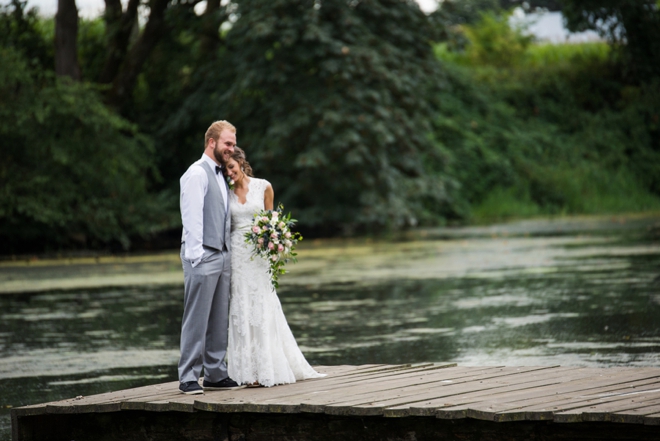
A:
<point x="372" y="402"/>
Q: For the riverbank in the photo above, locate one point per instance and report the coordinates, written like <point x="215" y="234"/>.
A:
<point x="477" y="251"/>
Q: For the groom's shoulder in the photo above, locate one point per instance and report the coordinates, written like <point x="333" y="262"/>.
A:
<point x="195" y="169"/>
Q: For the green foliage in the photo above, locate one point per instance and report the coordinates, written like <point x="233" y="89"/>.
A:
<point x="460" y="12"/>
<point x="558" y="131"/>
<point x="23" y="31"/>
<point x="173" y="93"/>
<point x="72" y="172"/>
<point x="91" y="49"/>
<point x="344" y="107"/>
<point x="494" y="42"/>
<point x="326" y="96"/>
<point x="564" y="56"/>
<point x="633" y="25"/>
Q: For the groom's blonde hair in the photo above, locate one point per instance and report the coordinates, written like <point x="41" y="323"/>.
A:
<point x="216" y="129"/>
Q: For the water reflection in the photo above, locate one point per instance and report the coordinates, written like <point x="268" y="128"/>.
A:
<point x="574" y="302"/>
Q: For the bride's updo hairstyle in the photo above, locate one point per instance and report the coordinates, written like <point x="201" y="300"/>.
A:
<point x="239" y="156"/>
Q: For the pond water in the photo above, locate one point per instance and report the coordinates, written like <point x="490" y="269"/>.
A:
<point x="587" y="299"/>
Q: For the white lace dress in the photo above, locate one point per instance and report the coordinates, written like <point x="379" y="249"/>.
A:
<point x="261" y="346"/>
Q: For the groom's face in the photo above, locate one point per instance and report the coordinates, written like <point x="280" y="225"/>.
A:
<point x="225" y="146"/>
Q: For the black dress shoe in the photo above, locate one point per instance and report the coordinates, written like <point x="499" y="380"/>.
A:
<point x="191" y="388"/>
<point x="226" y="384"/>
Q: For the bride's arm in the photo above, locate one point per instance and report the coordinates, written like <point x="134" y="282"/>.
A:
<point x="269" y="196"/>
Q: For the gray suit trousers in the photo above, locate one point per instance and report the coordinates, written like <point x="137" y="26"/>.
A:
<point x="205" y="316"/>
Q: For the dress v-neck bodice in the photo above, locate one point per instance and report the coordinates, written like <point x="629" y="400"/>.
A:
<point x="242" y="215"/>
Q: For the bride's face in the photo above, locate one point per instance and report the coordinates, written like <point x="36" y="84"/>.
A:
<point x="234" y="170"/>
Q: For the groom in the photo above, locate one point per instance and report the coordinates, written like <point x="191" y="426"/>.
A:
<point x="205" y="255"/>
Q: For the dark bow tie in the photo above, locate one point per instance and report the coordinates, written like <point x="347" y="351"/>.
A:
<point x="218" y="169"/>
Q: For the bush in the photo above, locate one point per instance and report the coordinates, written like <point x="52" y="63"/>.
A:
<point x="72" y="172"/>
<point x="554" y="131"/>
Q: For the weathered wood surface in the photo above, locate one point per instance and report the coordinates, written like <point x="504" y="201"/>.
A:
<point x="549" y="393"/>
<point x="441" y="390"/>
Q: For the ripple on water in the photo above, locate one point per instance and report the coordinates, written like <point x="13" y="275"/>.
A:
<point x="566" y="300"/>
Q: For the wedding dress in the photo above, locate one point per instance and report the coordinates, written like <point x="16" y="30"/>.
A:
<point x="261" y="346"/>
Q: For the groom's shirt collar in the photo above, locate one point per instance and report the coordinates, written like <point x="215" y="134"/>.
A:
<point x="221" y="179"/>
<point x="211" y="162"/>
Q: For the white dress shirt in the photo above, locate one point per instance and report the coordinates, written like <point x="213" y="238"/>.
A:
<point x="194" y="184"/>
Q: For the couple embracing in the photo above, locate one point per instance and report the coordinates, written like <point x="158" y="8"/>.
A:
<point x="233" y="325"/>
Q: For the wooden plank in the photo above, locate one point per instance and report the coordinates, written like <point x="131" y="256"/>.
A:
<point x="428" y="407"/>
<point x="140" y="403"/>
<point x="652" y="420"/>
<point x="112" y="401"/>
<point x="483" y="409"/>
<point x="107" y="402"/>
<point x="129" y="399"/>
<point x="176" y="403"/>
<point x="400" y="370"/>
<point x="542" y="408"/>
<point x="256" y="400"/>
<point x="601" y="411"/>
<point x="315" y="402"/>
<point x="357" y="370"/>
<point x="634" y="416"/>
<point x="377" y="404"/>
<point x="444" y="381"/>
<point x="444" y="390"/>
<point x="31" y="410"/>
<point x="451" y="376"/>
<point x="516" y="406"/>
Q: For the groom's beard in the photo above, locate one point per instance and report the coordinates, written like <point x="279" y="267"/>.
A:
<point x="217" y="152"/>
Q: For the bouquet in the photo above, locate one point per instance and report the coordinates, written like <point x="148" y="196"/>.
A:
<point x="273" y="240"/>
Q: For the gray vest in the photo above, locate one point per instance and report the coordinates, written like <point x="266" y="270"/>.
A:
<point x="217" y="222"/>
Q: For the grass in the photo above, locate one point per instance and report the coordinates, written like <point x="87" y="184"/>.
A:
<point x="568" y="191"/>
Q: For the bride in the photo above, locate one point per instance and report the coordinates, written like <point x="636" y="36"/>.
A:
<point x="262" y="350"/>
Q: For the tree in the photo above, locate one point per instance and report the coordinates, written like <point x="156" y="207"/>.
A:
<point x="127" y="44"/>
<point x="133" y="59"/>
<point x="72" y="173"/>
<point x="327" y="96"/>
<point x="118" y="27"/>
<point x="633" y="25"/>
<point x="66" y="40"/>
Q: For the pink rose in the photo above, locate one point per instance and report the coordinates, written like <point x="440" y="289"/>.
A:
<point x="281" y="225"/>
<point x="264" y="219"/>
<point x="280" y="247"/>
<point x="273" y="257"/>
<point x="260" y="240"/>
<point x="270" y="245"/>
<point x="255" y="229"/>
<point x="273" y="235"/>
<point x="287" y="234"/>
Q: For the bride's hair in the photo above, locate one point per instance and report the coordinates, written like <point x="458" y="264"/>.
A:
<point x="239" y="156"/>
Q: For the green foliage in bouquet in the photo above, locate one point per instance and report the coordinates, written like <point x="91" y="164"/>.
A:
<point x="272" y="238"/>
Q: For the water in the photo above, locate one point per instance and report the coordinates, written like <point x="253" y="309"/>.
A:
<point x="546" y="299"/>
